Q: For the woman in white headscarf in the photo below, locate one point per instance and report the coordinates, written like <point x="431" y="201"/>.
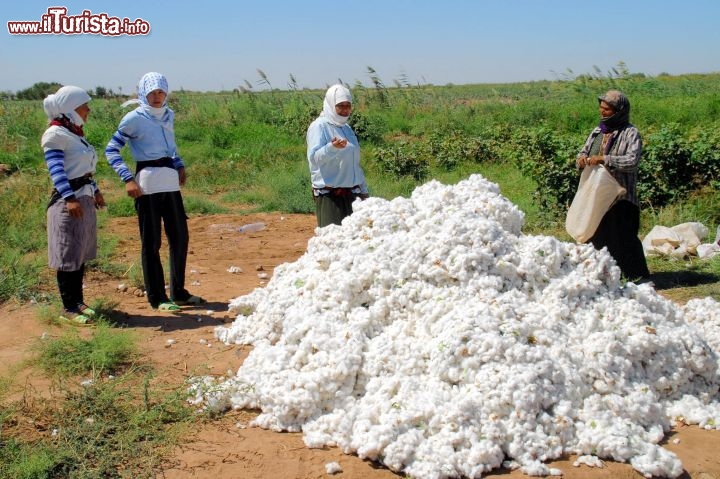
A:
<point x="155" y="186"/>
<point x="333" y="153"/>
<point x="71" y="215"/>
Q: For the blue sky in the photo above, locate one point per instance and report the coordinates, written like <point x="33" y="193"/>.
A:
<point x="218" y="45"/>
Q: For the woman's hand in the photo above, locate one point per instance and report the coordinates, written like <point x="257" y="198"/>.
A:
<point x="99" y="200"/>
<point x="182" y="176"/>
<point x="596" y="160"/>
<point x="73" y="207"/>
<point x="339" y="142"/>
<point x="584" y="161"/>
<point x="133" y="189"/>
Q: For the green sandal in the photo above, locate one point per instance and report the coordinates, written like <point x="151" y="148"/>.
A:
<point x="192" y="300"/>
<point x="169" y="307"/>
<point x="76" y="320"/>
<point x="86" y="310"/>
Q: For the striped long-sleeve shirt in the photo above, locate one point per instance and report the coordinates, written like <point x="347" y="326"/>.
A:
<point x="148" y="140"/>
<point x="67" y="157"/>
<point x="622" y="159"/>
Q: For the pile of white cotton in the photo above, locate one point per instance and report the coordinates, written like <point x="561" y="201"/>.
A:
<point x="431" y="335"/>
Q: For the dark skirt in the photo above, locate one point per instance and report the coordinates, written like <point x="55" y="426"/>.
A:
<point x="332" y="209"/>
<point x="618" y="231"/>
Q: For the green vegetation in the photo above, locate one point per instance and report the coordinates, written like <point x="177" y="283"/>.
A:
<point x="106" y="416"/>
<point x="70" y="354"/>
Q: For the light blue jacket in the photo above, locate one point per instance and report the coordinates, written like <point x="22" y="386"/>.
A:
<point x="330" y="166"/>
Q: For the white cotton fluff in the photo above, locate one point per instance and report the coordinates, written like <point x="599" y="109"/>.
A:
<point x="333" y="468"/>
<point x="592" y="461"/>
<point x="429" y="334"/>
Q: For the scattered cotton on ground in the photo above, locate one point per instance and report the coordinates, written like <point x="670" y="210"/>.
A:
<point x="333" y="468"/>
<point x="429" y="334"/>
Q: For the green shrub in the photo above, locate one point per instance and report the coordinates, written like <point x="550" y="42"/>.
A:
<point x="403" y="159"/>
<point x="705" y="155"/>
<point x="549" y="159"/>
<point x="664" y="170"/>
<point x="297" y="118"/>
<point x="70" y="354"/>
<point x="367" y="126"/>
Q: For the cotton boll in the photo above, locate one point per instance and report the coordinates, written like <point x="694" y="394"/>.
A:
<point x="589" y="460"/>
<point x="333" y="468"/>
<point x="537" y="468"/>
<point x="205" y="390"/>
<point x="696" y="410"/>
<point x="656" y="461"/>
<point x="705" y="315"/>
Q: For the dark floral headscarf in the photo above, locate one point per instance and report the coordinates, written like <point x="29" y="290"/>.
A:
<point x="620" y="103"/>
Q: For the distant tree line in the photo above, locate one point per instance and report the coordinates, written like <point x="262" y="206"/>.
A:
<point x="42" y="89"/>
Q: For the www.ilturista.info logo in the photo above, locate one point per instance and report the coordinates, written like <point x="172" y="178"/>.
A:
<point x="57" y="22"/>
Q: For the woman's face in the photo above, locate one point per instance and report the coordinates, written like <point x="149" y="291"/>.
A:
<point x="343" y="108"/>
<point x="606" y="111"/>
<point x="83" y="110"/>
<point x="156" y="98"/>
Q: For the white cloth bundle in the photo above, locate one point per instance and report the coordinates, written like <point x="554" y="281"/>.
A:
<point x="596" y="193"/>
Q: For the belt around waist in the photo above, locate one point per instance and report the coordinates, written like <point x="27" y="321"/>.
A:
<point x="329" y="191"/>
<point x="166" y="162"/>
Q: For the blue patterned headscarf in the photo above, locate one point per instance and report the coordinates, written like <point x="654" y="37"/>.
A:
<point x="149" y="82"/>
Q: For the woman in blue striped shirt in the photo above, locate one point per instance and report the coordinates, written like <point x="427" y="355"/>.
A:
<point x="71" y="216"/>
<point x="155" y="187"/>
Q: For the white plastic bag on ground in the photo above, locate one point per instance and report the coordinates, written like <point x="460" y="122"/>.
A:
<point x="678" y="241"/>
<point x="596" y="193"/>
<point x="708" y="250"/>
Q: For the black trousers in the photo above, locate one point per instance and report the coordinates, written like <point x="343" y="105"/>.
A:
<point x="164" y="209"/>
<point x="70" y="286"/>
<point x="618" y="231"/>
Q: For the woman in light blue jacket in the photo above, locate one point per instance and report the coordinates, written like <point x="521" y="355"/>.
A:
<point x="333" y="153"/>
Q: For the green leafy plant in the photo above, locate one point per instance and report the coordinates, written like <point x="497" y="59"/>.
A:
<point x="549" y="159"/>
<point x="368" y="127"/>
<point x="665" y="171"/>
<point x="106" y="350"/>
<point x="403" y="159"/>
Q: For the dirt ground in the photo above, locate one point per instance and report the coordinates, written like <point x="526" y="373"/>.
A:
<point x="180" y="346"/>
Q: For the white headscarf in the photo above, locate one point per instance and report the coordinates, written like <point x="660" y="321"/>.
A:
<point x="150" y="82"/>
<point x="64" y="101"/>
<point x="334" y="95"/>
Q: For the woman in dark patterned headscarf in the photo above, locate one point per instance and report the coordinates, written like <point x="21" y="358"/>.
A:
<point x="616" y="144"/>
